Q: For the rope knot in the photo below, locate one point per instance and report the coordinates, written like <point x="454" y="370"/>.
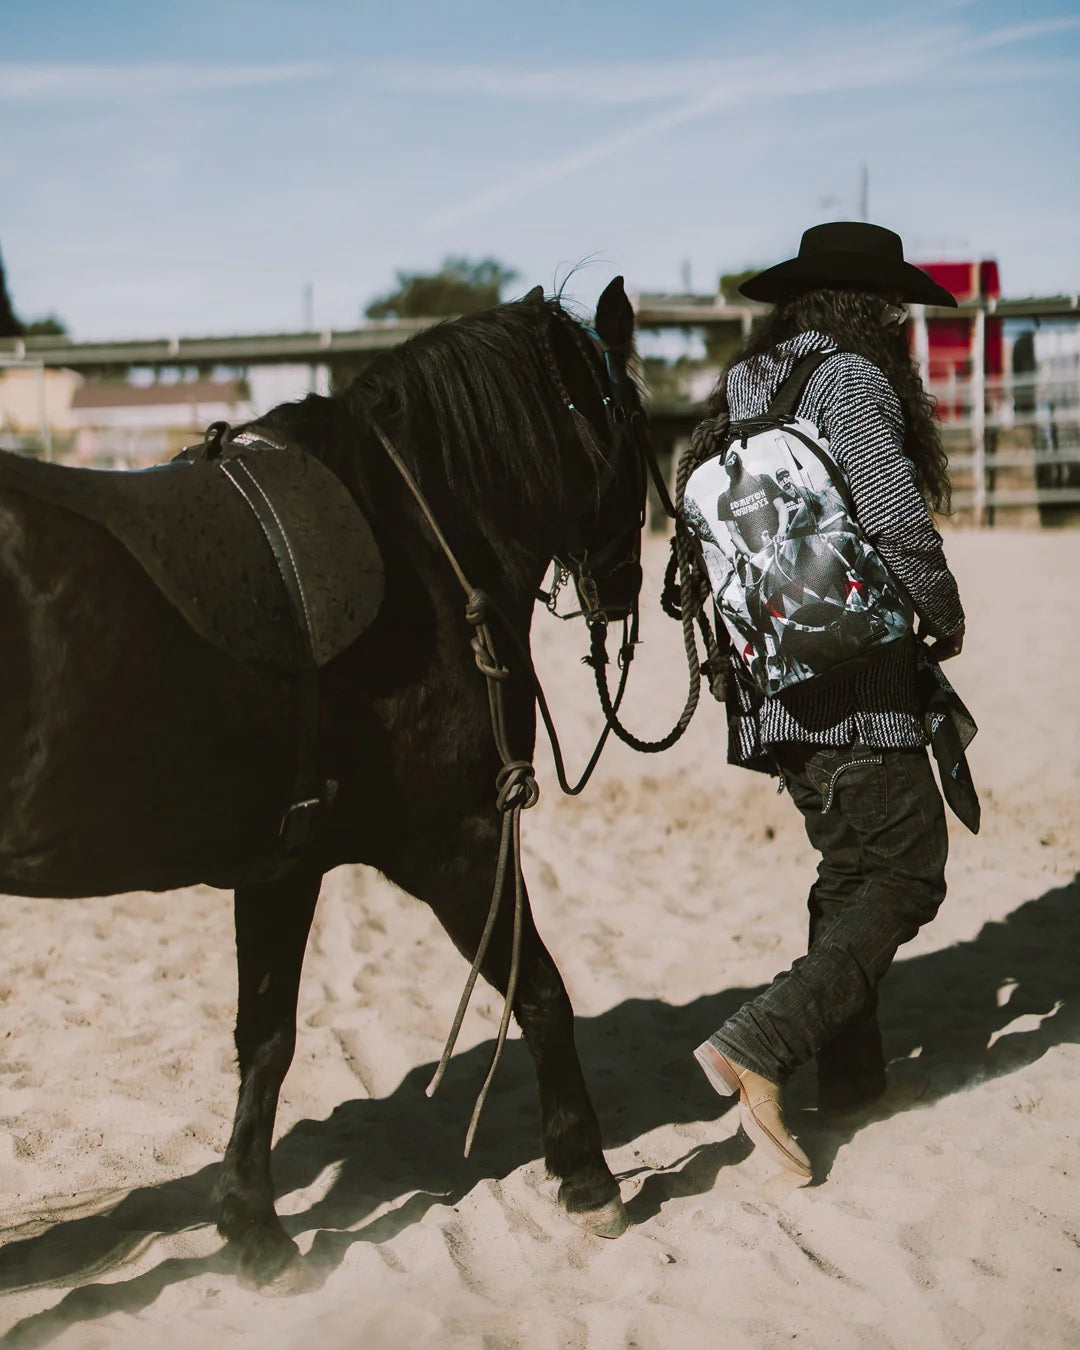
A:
<point x="516" y="786"/>
<point x="715" y="673"/>
<point x="477" y="607"/>
<point x="486" y="661"/>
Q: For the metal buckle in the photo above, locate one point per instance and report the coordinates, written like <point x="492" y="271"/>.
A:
<point x="296" y="823"/>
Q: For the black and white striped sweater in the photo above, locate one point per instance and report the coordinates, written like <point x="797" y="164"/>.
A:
<point x="855" y="408"/>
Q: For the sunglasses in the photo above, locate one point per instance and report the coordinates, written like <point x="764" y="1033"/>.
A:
<point x="893" y="314"/>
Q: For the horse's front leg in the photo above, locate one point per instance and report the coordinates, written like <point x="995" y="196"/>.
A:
<point x="272" y="924"/>
<point x="455" y="878"/>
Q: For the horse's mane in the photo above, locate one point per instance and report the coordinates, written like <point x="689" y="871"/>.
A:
<point x="487" y="393"/>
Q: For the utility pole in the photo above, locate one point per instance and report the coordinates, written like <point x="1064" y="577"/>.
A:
<point x="308" y="321"/>
<point x="864" y="193"/>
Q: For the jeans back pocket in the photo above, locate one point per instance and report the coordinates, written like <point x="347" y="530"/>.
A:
<point x="855" y="784"/>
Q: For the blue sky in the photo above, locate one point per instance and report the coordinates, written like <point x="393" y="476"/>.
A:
<point x="187" y="168"/>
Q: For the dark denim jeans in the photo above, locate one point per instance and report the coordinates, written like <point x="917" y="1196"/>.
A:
<point x="877" y="819"/>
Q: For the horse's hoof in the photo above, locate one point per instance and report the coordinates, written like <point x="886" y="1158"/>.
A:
<point x="609" y="1221"/>
<point x="270" y="1262"/>
<point x="298" y="1277"/>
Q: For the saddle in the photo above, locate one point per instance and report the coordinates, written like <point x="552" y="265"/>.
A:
<point x="263" y="551"/>
<point x="196" y="528"/>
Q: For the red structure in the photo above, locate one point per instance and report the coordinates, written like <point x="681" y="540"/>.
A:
<point x="951" y="340"/>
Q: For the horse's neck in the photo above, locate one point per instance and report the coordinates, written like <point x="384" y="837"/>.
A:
<point x="504" y="561"/>
<point x="497" y="546"/>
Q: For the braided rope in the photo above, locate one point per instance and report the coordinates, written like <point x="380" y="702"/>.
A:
<point x="580" y="422"/>
<point x="707" y="441"/>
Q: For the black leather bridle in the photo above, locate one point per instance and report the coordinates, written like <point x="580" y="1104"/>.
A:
<point x="628" y="465"/>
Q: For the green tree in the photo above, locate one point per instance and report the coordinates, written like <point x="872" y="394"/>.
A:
<point x="9" y="324"/>
<point x="731" y="281"/>
<point x="459" y="287"/>
<point x="50" y="326"/>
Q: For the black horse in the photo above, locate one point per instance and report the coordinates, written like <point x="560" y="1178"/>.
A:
<point x="138" y="756"/>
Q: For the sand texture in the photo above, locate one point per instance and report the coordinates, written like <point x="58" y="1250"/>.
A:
<point x="673" y="889"/>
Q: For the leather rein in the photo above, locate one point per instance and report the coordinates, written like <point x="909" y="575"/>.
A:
<point x="516" y="788"/>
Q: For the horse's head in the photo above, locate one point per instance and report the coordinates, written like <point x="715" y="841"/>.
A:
<point x="601" y="543"/>
<point x="538" y="430"/>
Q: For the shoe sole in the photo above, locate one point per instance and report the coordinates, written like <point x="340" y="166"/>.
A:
<point x="724" y="1080"/>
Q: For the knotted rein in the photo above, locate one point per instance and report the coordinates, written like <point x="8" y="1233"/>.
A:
<point x="516" y="790"/>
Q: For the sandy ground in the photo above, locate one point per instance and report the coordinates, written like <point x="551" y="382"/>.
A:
<point x="669" y="892"/>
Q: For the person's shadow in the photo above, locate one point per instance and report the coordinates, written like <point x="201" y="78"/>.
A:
<point x="406" y="1149"/>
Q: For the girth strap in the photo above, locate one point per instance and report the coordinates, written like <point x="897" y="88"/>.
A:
<point x="306" y="797"/>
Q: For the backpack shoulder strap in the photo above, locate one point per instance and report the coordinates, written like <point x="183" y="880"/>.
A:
<point x="782" y="408"/>
<point x="786" y="399"/>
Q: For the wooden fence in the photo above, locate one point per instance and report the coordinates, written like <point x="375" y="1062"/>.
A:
<point x="1014" y="446"/>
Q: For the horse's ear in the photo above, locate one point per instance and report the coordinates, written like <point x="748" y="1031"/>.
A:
<point x="535" y="296"/>
<point x="615" y="317"/>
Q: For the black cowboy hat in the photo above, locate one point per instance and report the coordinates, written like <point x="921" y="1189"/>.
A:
<point x="851" y="255"/>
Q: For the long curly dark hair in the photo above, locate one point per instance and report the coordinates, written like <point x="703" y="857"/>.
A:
<point x="853" y="320"/>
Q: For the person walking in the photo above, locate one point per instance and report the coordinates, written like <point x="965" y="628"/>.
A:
<point x="850" y="750"/>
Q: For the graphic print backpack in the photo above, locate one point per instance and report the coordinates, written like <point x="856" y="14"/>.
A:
<point x="797" y="583"/>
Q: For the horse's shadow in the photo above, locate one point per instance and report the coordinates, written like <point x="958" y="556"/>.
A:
<point x="401" y="1154"/>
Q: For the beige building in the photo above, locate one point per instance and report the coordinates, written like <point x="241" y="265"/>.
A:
<point x="35" y="404"/>
<point x="59" y="414"/>
<point x="130" y="425"/>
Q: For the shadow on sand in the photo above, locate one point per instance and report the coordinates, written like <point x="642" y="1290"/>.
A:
<point x="404" y="1147"/>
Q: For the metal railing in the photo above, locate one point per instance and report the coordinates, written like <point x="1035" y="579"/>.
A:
<point x="1014" y="441"/>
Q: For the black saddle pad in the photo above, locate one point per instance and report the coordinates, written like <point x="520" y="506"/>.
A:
<point x="198" y="540"/>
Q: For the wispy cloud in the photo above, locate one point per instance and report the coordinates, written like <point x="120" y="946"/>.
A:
<point x="1004" y="72"/>
<point x="858" y="67"/>
<point x="640" y="82"/>
<point x="838" y="63"/>
<point x="1019" y="32"/>
<point x="51" y="81"/>
<point x="598" y="150"/>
